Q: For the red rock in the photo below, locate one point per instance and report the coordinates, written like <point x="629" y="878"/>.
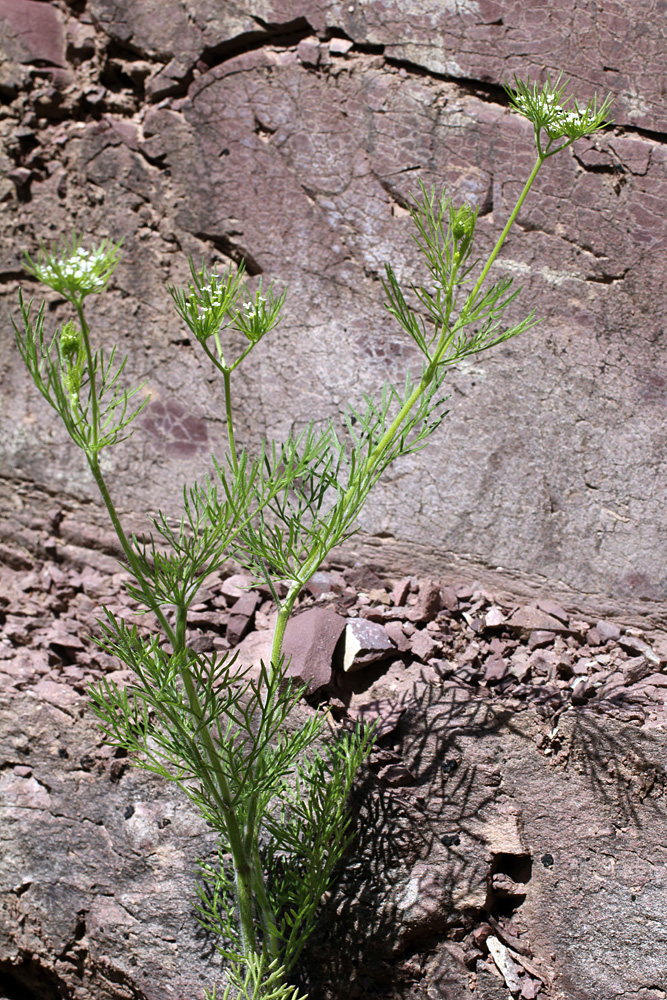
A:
<point x="395" y="632"/>
<point x="553" y="609"/>
<point x="60" y="695"/>
<point x="396" y="775"/>
<point x="384" y="712"/>
<point x="428" y="604"/>
<point x="32" y="32"/>
<point x="449" y="599"/>
<point x="540" y="638"/>
<point x="310" y="640"/>
<point x="607" y="631"/>
<point x="636" y="669"/>
<point x="495" y="669"/>
<point x="493" y="618"/>
<point x="236" y="585"/>
<point x="528" y="619"/>
<point x="423" y="645"/>
<point x="308" y="51"/>
<point x="325" y="582"/>
<point x="399" y="594"/>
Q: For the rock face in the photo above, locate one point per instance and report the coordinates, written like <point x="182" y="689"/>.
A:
<point x="292" y="136"/>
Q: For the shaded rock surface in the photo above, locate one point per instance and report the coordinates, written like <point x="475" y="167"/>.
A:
<point x="292" y="136"/>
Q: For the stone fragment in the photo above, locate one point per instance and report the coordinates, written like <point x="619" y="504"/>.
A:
<point x="60" y="695"/>
<point x="310" y="640"/>
<point x="399" y="594"/>
<point x="636" y="669"/>
<point x="363" y="577"/>
<point x="420" y="904"/>
<point x="633" y="644"/>
<point x="449" y="599"/>
<point x="21" y="176"/>
<point x="340" y="46"/>
<point x="494" y="618"/>
<point x="325" y="582"/>
<point x="593" y="637"/>
<point x="396" y="775"/>
<point x="236" y="585"/>
<point x="423" y="645"/>
<point x="540" y="638"/>
<point x="384" y="713"/>
<point x="530" y="619"/>
<point x="379" y="596"/>
<point x="582" y="691"/>
<point x="308" y="51"/>
<point x="495" y="669"/>
<point x="428" y="604"/>
<point x="253" y="650"/>
<point x="365" y="642"/>
<point x="554" y="609"/>
<point x="607" y="631"/>
<point x="32" y="32"/>
<point x="504" y="963"/>
<point x="395" y="632"/>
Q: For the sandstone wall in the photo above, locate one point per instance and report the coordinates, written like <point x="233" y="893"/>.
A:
<point x="290" y="135"/>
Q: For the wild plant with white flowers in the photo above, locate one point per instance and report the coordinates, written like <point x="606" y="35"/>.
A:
<point x="276" y="798"/>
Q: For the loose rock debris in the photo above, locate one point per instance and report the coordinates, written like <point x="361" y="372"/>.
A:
<point x="351" y="640"/>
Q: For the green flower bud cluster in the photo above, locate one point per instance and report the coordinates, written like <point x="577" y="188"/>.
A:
<point x="70" y="340"/>
<point x="72" y="360"/>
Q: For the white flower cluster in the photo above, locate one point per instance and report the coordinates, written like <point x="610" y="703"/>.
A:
<point x="561" y="122"/>
<point x="82" y="270"/>
<point x="216" y="298"/>
<point x="251" y="308"/>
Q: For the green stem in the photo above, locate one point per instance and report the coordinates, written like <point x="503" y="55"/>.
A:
<point x="226" y="374"/>
<point x="130" y="554"/>
<point x="94" y="402"/>
<point x="496" y="250"/>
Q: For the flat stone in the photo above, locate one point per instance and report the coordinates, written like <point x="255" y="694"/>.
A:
<point x="540" y="638"/>
<point x="423" y="645"/>
<point x="494" y="617"/>
<point x="310" y="640"/>
<point x="554" y="609"/>
<point x="384" y="713"/>
<point x="608" y="631"/>
<point x="495" y="669"/>
<point x="528" y="619"/>
<point x="395" y="632"/>
<point x="366" y="642"/>
<point x="31" y="32"/>
<point x="235" y="586"/>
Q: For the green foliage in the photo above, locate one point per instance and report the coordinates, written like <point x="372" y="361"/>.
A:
<point x="275" y="794"/>
<point x="63" y="369"/>
<point x="253" y="979"/>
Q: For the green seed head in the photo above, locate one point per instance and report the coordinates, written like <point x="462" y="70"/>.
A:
<point x="464" y="223"/>
<point x="70" y="340"/>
